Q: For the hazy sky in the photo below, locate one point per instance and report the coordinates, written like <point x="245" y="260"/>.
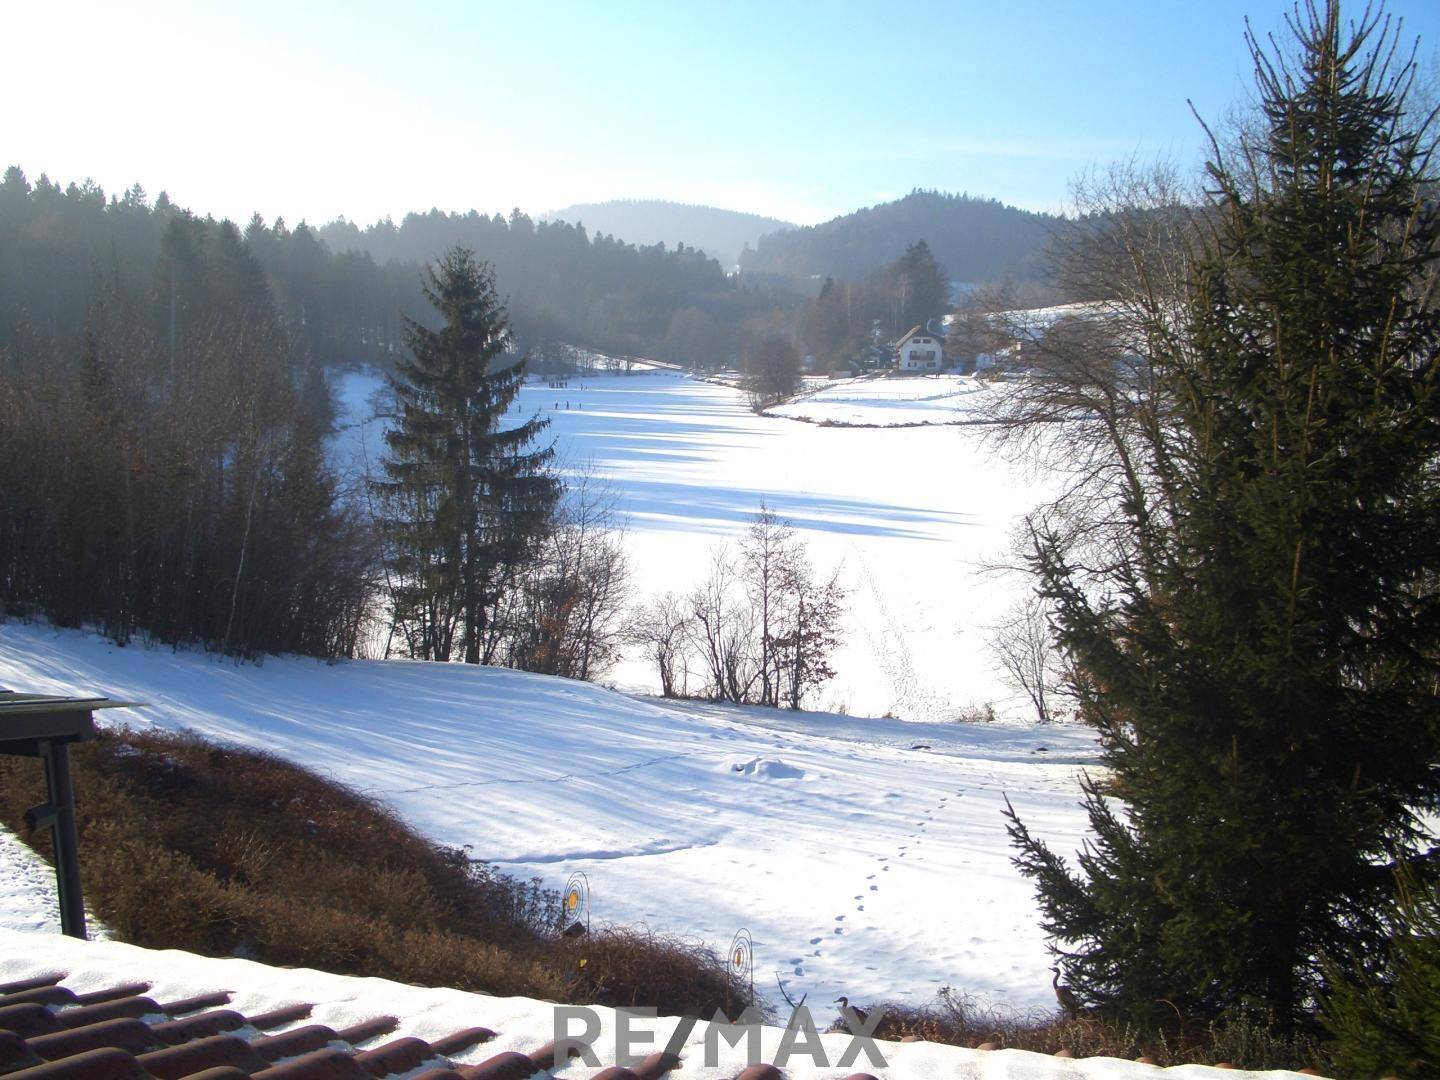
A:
<point x="798" y="110"/>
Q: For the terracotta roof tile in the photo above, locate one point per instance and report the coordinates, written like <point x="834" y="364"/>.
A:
<point x="40" y="995"/>
<point x="14" y="1054"/>
<point x="286" y="1014"/>
<point x="200" y="1025"/>
<point x="32" y="983"/>
<point x="397" y="1056"/>
<point x="49" y="1032"/>
<point x="288" y="1044"/>
<point x="462" y="1041"/>
<point x="506" y="1066"/>
<point x="321" y="1065"/>
<point x="369" y="1029"/>
<point x="110" y="1063"/>
<point x="211" y="1052"/>
<point x="109" y="1009"/>
<point x="126" y="1033"/>
<point x="28" y="1020"/>
<point x="196" y="1003"/>
<point x="96" y="997"/>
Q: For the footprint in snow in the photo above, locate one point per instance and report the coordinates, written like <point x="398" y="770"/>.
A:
<point x="860" y="907"/>
<point x="839" y="930"/>
<point x="874" y="888"/>
<point x="839" y="918"/>
<point x="870" y="877"/>
<point x="814" y="941"/>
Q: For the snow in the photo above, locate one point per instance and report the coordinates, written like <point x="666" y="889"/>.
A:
<point x="27" y="888"/>
<point x="913" y="516"/>
<point x="866" y="856"/>
<point x="521" y="1024"/>
<point x="893" y="401"/>
<point x="28" y="898"/>
<point x="861" y="863"/>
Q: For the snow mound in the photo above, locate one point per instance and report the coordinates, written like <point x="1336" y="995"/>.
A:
<point x="767" y="769"/>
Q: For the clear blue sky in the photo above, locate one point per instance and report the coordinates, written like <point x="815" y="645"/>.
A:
<point x="800" y="110"/>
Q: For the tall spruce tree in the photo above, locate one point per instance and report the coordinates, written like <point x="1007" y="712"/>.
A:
<point x="467" y="497"/>
<point x="1254" y="626"/>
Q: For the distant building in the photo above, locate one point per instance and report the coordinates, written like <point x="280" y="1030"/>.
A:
<point x="920" y="350"/>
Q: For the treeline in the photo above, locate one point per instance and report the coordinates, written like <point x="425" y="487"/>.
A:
<point x="976" y="239"/>
<point x="344" y="291"/>
<point x="563" y="283"/>
<point x="162" y="464"/>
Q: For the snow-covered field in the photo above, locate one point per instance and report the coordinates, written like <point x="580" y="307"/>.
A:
<point x="912" y="515"/>
<point x="866" y="857"/>
<point x="894" y="401"/>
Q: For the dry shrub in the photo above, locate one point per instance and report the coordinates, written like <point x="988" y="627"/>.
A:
<point x="225" y="851"/>
<point x="1243" y="1040"/>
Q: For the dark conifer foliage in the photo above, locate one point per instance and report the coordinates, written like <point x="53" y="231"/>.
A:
<point x="976" y="239"/>
<point x="1254" y="626"/>
<point x="594" y="291"/>
<point x="167" y="476"/>
<point x="467" y="497"/>
<point x="344" y="291"/>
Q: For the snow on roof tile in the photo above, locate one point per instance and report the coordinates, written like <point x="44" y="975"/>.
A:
<point x="98" y="1023"/>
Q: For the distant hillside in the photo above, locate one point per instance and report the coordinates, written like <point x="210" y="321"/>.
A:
<point x="721" y="234"/>
<point x="975" y="240"/>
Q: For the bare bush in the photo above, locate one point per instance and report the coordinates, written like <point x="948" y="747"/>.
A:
<point x="759" y="629"/>
<point x="563" y="613"/>
<point x="1024" y="649"/>
<point x="661" y="628"/>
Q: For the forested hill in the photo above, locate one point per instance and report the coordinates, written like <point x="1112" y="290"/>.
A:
<point x="721" y="234"/>
<point x="974" y="239"/>
<point x="564" y="282"/>
<point x="340" y="291"/>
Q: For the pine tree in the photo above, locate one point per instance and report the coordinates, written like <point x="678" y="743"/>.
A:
<point x="1386" y="1021"/>
<point x="1255" y="633"/>
<point x="919" y="287"/>
<point x="468" y="496"/>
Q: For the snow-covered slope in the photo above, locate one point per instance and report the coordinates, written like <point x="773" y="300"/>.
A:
<point x="912" y="515"/>
<point x="866" y="857"/>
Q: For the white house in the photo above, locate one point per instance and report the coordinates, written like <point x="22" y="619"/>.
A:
<point x="920" y="350"/>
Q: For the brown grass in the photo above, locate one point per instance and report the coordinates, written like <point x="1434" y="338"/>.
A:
<point x="232" y="852"/>
<point x="959" y="1020"/>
